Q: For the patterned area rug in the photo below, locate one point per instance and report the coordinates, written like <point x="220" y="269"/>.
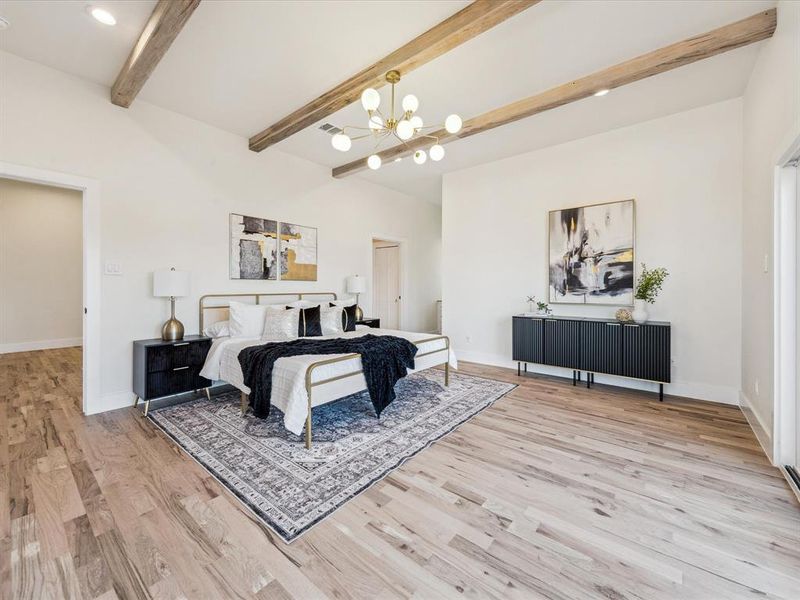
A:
<point x="291" y="488"/>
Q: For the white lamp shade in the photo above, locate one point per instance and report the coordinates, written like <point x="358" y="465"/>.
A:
<point x="356" y="285"/>
<point x="171" y="283"/>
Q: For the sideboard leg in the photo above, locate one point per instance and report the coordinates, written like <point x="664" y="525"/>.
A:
<point x="574" y="376"/>
<point x="519" y="366"/>
<point x="526" y="367"/>
<point x="660" y="392"/>
<point x="588" y="380"/>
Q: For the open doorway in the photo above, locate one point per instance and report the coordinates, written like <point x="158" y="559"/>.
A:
<point x="786" y="409"/>
<point x="387" y="282"/>
<point x="41" y="276"/>
<point x="88" y="372"/>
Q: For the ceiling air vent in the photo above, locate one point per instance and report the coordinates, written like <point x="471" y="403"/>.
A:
<point x="331" y="129"/>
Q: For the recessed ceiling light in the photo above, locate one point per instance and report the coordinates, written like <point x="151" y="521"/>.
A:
<point x="601" y="92"/>
<point x="4" y="24"/>
<point x="102" y="15"/>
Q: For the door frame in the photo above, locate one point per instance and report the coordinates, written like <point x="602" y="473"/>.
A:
<point x="90" y="203"/>
<point x="785" y="424"/>
<point x="402" y="317"/>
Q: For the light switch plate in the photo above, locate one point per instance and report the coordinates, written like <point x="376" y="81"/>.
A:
<point x="113" y="268"/>
<point x="766" y="263"/>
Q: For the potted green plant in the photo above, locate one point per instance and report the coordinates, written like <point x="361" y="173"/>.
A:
<point x="647" y="290"/>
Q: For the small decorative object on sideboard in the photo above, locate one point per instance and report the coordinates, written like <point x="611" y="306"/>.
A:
<point x="171" y="284"/>
<point x="623" y="315"/>
<point x="542" y="308"/>
<point x="650" y="282"/>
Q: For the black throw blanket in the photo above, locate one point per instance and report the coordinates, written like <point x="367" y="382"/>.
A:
<point x="385" y="359"/>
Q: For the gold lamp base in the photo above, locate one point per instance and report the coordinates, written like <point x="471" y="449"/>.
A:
<point x="172" y="331"/>
<point x="359" y="313"/>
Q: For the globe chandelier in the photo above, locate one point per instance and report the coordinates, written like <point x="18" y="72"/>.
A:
<point x="406" y="126"/>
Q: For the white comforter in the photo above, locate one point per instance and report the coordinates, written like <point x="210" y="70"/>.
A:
<point x="289" y="373"/>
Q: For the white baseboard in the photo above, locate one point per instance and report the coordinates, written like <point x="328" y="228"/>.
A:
<point x="686" y="389"/>
<point x="113" y="401"/>
<point x="757" y="424"/>
<point x="40" y="345"/>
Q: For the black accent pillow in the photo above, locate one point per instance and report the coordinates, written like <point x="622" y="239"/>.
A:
<point x="348" y="317"/>
<point x="309" y="324"/>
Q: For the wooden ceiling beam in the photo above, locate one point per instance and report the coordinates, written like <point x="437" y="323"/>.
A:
<point x="464" y="25"/>
<point x="161" y="29"/>
<point x="735" y="35"/>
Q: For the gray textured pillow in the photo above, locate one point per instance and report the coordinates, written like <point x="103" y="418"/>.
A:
<point x="281" y="325"/>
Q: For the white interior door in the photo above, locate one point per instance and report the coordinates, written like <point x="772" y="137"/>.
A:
<point x="386" y="285"/>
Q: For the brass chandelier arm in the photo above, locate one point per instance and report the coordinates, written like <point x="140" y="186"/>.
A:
<point x="361" y="137"/>
<point x="383" y="137"/>
<point x="402" y="141"/>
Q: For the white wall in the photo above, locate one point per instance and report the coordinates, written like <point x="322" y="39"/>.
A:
<point x="771" y="114"/>
<point x="167" y="185"/>
<point x="40" y="267"/>
<point x="684" y="172"/>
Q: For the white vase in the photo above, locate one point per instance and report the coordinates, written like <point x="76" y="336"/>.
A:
<point x="639" y="313"/>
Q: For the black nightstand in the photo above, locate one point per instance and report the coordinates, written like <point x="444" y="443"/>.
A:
<point x="369" y="322"/>
<point x="166" y="368"/>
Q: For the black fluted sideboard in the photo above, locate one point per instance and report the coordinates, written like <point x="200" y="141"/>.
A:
<point x="607" y="346"/>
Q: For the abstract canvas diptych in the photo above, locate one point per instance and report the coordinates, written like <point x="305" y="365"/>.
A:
<point x="591" y="254"/>
<point x="258" y="252"/>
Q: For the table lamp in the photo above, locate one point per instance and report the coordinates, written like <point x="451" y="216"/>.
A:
<point x="357" y="285"/>
<point x="171" y="284"/>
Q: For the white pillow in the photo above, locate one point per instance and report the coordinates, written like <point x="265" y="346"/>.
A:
<point x="281" y="325"/>
<point x="246" y="320"/>
<point x="218" y="329"/>
<point x="330" y="318"/>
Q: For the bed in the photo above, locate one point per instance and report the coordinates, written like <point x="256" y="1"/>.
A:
<point x="300" y="383"/>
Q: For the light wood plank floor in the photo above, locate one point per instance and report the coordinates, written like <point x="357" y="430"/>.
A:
<point x="554" y="492"/>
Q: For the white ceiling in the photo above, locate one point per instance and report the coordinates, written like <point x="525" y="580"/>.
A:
<point x="242" y="65"/>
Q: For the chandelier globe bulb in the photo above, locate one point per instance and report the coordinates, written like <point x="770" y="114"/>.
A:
<point x="341" y="142"/>
<point x="436" y="152"/>
<point x="370" y="99"/>
<point x="420" y="157"/>
<point x="453" y="124"/>
<point x="374" y="162"/>
<point x="410" y="103"/>
<point x="405" y="130"/>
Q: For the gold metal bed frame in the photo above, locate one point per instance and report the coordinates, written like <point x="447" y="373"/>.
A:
<point x="245" y="401"/>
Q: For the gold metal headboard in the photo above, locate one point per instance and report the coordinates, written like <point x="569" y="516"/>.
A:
<point x="256" y="295"/>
